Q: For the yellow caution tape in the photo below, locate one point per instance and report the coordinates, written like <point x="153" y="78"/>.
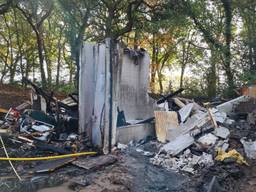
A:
<point x="46" y="158"/>
<point x="222" y="155"/>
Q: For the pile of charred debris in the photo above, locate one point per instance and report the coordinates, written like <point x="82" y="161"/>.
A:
<point x="41" y="136"/>
<point x="44" y="119"/>
<point x="212" y="142"/>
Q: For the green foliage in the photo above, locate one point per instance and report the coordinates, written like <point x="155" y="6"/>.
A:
<point x="248" y="77"/>
<point x="65" y="88"/>
<point x="190" y="37"/>
<point x="194" y="88"/>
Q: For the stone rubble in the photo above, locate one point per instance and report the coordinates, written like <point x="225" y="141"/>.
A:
<point x="201" y="135"/>
<point x="186" y="162"/>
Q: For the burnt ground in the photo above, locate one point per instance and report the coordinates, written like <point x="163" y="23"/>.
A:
<point x="132" y="171"/>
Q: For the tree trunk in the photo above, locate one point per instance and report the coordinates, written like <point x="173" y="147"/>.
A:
<point x="212" y="76"/>
<point x="253" y="43"/>
<point x="39" y="39"/>
<point x="184" y="62"/>
<point x="58" y="66"/>
<point x="79" y="42"/>
<point x="13" y="64"/>
<point x="20" y="52"/>
<point x="4" y="72"/>
<point x="136" y="40"/>
<point x="48" y="65"/>
<point x="70" y="76"/>
<point x="59" y="58"/>
<point x="226" y="48"/>
<point x="37" y="28"/>
<point x="160" y="82"/>
<point x="153" y="66"/>
<point x="182" y="75"/>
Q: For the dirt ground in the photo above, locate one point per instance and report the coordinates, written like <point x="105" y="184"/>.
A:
<point x="11" y="96"/>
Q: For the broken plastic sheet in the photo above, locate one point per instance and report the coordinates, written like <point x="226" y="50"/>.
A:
<point x="222" y="155"/>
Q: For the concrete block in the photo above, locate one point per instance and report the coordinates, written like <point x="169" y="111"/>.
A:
<point x="208" y="139"/>
<point x="222" y="132"/>
<point x="220" y="116"/>
<point x="179" y="144"/>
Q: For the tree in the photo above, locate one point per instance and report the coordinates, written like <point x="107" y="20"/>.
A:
<point x="76" y="15"/>
<point x="160" y="30"/>
<point x="5" y="6"/>
<point x="114" y="18"/>
<point x="11" y="51"/>
<point x="35" y="14"/>
<point x="246" y="10"/>
<point x="196" y="13"/>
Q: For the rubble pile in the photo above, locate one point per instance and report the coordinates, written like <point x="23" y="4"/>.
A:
<point x="198" y="139"/>
<point x="41" y="136"/>
<point x="44" y="118"/>
<point x="185" y="162"/>
<point x="195" y="137"/>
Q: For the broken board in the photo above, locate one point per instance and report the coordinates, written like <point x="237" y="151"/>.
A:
<point x="178" y="102"/>
<point x="195" y="121"/>
<point x="167" y="126"/>
<point x="51" y="165"/>
<point x="95" y="162"/>
<point x="212" y="118"/>
<point x="228" y="106"/>
<point x="185" y="111"/>
<point x="179" y="144"/>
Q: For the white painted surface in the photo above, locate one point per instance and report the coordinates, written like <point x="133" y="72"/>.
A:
<point x="228" y="106"/>
<point x="134" y="83"/>
<point x="135" y="132"/>
<point x="129" y="91"/>
<point x="86" y="89"/>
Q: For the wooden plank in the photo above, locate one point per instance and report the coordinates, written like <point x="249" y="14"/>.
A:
<point x="167" y="126"/>
<point x="23" y="106"/>
<point x="185" y="111"/>
<point x="178" y="102"/>
<point x="212" y="118"/>
<point x="185" y="100"/>
<point x="95" y="162"/>
<point x="51" y="165"/>
<point x="195" y="121"/>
